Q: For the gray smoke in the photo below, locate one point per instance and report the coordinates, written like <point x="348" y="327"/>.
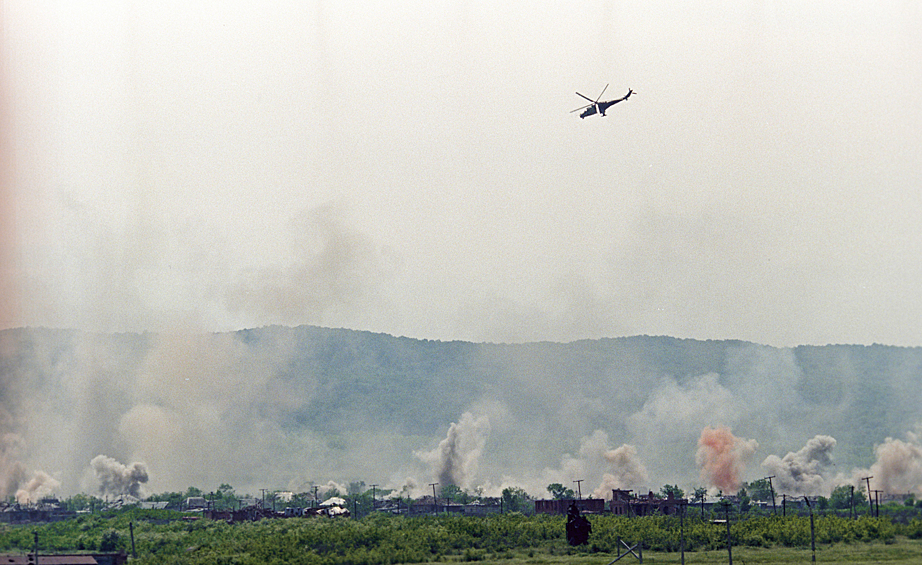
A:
<point x="336" y="270"/>
<point x="801" y="472"/>
<point x="627" y="471"/>
<point x="898" y="469"/>
<point x="40" y="486"/>
<point x="116" y="479"/>
<point x="456" y="459"/>
<point x="12" y="472"/>
<point x="201" y="409"/>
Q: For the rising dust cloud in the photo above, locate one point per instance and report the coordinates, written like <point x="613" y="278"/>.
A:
<point x="137" y="414"/>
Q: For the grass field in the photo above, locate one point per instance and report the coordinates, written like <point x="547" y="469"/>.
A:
<point x="901" y="551"/>
<point x="168" y="538"/>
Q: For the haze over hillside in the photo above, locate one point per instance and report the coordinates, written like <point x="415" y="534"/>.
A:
<point x="282" y="407"/>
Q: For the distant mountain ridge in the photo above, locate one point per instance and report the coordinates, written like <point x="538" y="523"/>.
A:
<point x="318" y="401"/>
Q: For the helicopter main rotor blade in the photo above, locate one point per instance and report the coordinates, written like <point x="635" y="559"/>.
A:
<point x="601" y="93"/>
<point x="582" y="108"/>
<point x="587" y="98"/>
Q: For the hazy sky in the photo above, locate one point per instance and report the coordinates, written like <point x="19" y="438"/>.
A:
<point x="413" y="168"/>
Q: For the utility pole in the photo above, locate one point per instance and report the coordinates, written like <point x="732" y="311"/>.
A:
<point x="772" y="489"/>
<point x="579" y="492"/>
<point x="263" y="491"/>
<point x="134" y="551"/>
<point x="877" y="503"/>
<point x="870" y="500"/>
<point x="851" y="502"/>
<point x="314" y="505"/>
<point x="812" y="529"/>
<point x="435" y="500"/>
<point x="729" y="542"/>
<point x="682" y="531"/>
<point x="373" y="500"/>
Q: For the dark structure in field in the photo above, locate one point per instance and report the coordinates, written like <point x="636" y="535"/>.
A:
<point x="578" y="527"/>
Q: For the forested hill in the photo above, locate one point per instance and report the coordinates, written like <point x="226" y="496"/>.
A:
<point x="368" y="402"/>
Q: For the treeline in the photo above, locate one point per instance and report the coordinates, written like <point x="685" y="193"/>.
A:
<point x="359" y="498"/>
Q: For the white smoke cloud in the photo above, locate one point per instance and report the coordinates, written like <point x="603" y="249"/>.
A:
<point x="409" y="487"/>
<point x="898" y="469"/>
<point x="801" y="472"/>
<point x="116" y="478"/>
<point x="455" y="461"/>
<point x="667" y="426"/>
<point x="38" y="487"/>
<point x="335" y="272"/>
<point x="627" y="471"/>
<point x="12" y="472"/>
<point x="596" y="460"/>
<point x="201" y="408"/>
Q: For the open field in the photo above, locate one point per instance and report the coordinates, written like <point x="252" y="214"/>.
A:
<point x="901" y="551"/>
<point x="165" y="537"/>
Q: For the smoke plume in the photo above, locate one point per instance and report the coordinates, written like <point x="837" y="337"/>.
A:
<point x="898" y="468"/>
<point x="11" y="470"/>
<point x="455" y="460"/>
<point x="627" y="471"/>
<point x="40" y="486"/>
<point x="200" y="409"/>
<point x="722" y="458"/>
<point x="331" y="487"/>
<point x="801" y="472"/>
<point x="117" y="479"/>
<point x="337" y="270"/>
<point x="596" y="461"/>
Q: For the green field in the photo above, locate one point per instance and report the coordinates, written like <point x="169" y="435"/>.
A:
<point x="511" y="539"/>
<point x="902" y="551"/>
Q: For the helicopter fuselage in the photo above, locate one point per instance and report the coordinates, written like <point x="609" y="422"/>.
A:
<point x="599" y="108"/>
<point x="588" y="111"/>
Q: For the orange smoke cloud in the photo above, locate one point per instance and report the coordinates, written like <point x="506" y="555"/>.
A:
<point x="722" y="457"/>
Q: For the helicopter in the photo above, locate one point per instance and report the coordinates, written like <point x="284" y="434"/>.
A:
<point x="597" y="107"/>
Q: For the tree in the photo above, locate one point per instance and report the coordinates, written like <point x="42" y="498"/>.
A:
<point x="759" y="490"/>
<point x="840" y="497"/>
<point x="172" y="499"/>
<point x="82" y="502"/>
<point x="516" y="499"/>
<point x="700" y="495"/>
<point x="745" y="500"/>
<point x="109" y="541"/>
<point x="225" y="497"/>
<point x="674" y="490"/>
<point x="455" y="494"/>
<point x="560" y="492"/>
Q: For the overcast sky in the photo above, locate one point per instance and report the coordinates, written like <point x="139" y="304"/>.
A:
<point x="413" y="168"/>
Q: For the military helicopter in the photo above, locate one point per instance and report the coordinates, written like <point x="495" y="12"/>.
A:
<point x="597" y="107"/>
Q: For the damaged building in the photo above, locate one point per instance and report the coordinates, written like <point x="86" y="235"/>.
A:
<point x="624" y="503"/>
<point x="560" y="506"/>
